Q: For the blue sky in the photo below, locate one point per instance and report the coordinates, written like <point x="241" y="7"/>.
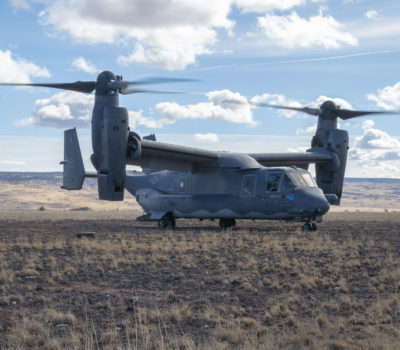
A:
<point x="295" y="52"/>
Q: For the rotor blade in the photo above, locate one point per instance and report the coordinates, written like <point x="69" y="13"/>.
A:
<point x="136" y="91"/>
<point x="157" y="80"/>
<point x="348" y="114"/>
<point x="308" y="110"/>
<point x="78" y="86"/>
<point x="312" y="111"/>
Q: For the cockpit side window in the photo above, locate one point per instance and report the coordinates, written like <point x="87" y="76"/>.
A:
<point x="287" y="184"/>
<point x="297" y="179"/>
<point x="309" y="180"/>
<point x="273" y="181"/>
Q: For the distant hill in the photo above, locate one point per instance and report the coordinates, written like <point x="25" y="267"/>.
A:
<point x="34" y="190"/>
<point x="31" y="190"/>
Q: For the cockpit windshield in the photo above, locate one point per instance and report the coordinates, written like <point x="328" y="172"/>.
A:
<point x="302" y="179"/>
<point x="279" y="180"/>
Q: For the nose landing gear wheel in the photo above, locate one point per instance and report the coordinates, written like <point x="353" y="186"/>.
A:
<point x="226" y="223"/>
<point x="307" y="227"/>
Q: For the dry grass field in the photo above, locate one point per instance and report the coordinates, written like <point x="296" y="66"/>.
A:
<point x="262" y="285"/>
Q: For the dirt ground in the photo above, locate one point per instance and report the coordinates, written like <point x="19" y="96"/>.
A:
<point x="261" y="285"/>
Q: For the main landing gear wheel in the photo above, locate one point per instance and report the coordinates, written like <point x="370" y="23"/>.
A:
<point x="226" y="223"/>
<point x="307" y="227"/>
<point x="167" y="221"/>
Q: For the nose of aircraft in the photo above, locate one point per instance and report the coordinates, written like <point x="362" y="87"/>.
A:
<point x="316" y="202"/>
<point x="321" y="205"/>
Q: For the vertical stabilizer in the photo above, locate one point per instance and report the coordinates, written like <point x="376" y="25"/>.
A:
<point x="74" y="171"/>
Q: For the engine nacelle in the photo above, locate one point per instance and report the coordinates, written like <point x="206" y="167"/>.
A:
<point x="330" y="176"/>
<point x="134" y="146"/>
<point x="114" y="141"/>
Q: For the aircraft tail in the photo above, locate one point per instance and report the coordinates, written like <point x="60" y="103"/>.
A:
<point x="74" y="171"/>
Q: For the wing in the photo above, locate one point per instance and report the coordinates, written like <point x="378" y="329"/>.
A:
<point x="159" y="155"/>
<point x="301" y="160"/>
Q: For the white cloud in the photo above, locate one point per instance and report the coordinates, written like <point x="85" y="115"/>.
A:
<point x="69" y="109"/>
<point x="387" y="98"/>
<point x="376" y="149"/>
<point x="277" y="99"/>
<point x="136" y="119"/>
<point x="267" y="5"/>
<point x="12" y="162"/>
<point x="337" y="100"/>
<point x="368" y="124"/>
<point x="168" y="34"/>
<point x="375" y="153"/>
<point x="297" y="149"/>
<point x="63" y="110"/>
<point x="20" y="4"/>
<point x="206" y="138"/>
<point x="371" y="14"/>
<point x="171" y="49"/>
<point x="376" y="139"/>
<point x="293" y="31"/>
<point x="81" y="64"/>
<point x="307" y="131"/>
<point x="18" y="70"/>
<point x="214" y="108"/>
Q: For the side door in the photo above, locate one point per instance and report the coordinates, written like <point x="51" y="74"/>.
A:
<point x="249" y="185"/>
<point x="248" y="193"/>
<point x="274" y="198"/>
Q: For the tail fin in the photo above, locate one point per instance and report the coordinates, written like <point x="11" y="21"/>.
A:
<point x="74" y="171"/>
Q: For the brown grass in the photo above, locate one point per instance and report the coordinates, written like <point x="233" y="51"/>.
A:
<point x="261" y="285"/>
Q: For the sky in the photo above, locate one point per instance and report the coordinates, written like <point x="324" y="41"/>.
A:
<point x="288" y="52"/>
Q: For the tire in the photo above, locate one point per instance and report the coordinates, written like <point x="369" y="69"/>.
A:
<point x="162" y="223"/>
<point x="223" y="224"/>
<point x="307" y="227"/>
<point x="170" y="223"/>
<point x="231" y="222"/>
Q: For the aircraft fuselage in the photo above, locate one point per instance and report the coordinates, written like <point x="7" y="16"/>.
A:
<point x="263" y="193"/>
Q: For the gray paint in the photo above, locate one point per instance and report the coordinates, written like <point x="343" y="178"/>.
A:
<point x="195" y="183"/>
<point x="220" y="194"/>
<point x="200" y="183"/>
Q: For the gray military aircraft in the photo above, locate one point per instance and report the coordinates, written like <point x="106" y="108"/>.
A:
<point x="184" y="182"/>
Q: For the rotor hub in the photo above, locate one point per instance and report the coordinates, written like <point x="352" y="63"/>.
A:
<point x="103" y="80"/>
<point x="328" y="105"/>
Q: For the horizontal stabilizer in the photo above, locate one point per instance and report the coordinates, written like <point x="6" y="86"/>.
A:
<point x="74" y="171"/>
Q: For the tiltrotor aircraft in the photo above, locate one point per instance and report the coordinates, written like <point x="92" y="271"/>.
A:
<point x="184" y="182"/>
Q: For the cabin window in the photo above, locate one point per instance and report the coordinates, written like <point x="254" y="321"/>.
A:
<point x="273" y="181"/>
<point x="249" y="185"/>
<point x="181" y="185"/>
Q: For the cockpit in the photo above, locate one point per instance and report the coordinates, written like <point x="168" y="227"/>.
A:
<point x="278" y="180"/>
